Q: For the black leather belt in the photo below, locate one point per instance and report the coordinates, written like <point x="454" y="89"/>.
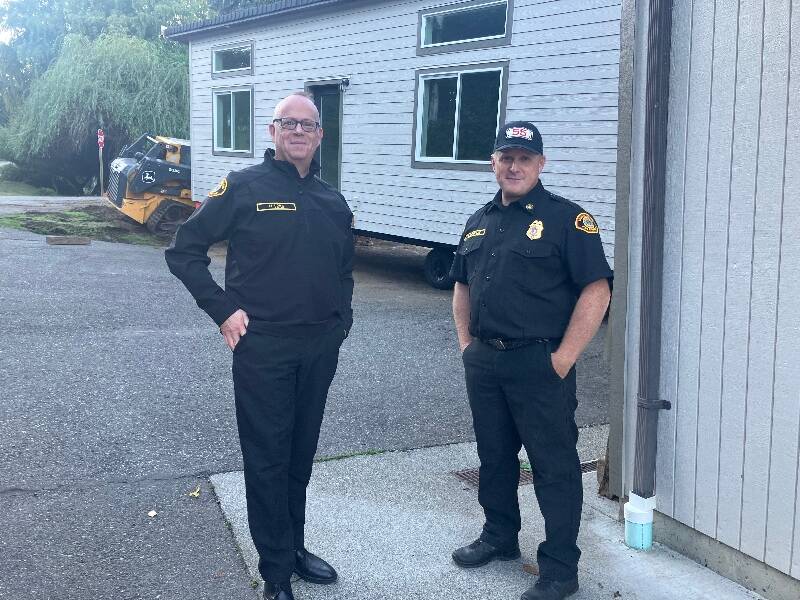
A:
<point x="498" y="344"/>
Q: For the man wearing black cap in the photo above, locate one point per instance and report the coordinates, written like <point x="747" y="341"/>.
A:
<point x="532" y="286"/>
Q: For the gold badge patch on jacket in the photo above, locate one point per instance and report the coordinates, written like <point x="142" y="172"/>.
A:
<point x="220" y="189"/>
<point x="474" y="233"/>
<point x="535" y="230"/>
<point x="262" y="206"/>
<point x="585" y="222"/>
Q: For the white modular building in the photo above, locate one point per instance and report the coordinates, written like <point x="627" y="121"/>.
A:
<point x="411" y="94"/>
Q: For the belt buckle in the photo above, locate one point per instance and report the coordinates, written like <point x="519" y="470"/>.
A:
<point x="498" y="344"/>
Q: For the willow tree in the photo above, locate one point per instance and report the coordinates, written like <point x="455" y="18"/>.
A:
<point x="124" y="85"/>
<point x="228" y="6"/>
<point x="38" y="28"/>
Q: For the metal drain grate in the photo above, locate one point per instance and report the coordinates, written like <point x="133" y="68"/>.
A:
<point x="472" y="477"/>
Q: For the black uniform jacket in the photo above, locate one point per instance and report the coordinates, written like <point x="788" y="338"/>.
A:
<point x="526" y="265"/>
<point x="290" y="250"/>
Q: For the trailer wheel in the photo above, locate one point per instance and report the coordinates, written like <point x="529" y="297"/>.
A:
<point x="437" y="268"/>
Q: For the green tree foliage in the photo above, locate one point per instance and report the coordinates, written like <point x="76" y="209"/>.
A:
<point x="227" y="6"/>
<point x="73" y="66"/>
<point x="125" y="85"/>
<point x="12" y="81"/>
<point x="40" y="26"/>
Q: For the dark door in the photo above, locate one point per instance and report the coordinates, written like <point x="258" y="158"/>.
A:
<point x="328" y="99"/>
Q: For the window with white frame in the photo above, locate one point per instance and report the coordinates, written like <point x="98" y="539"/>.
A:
<point x="233" y="120"/>
<point x="476" y="21"/>
<point x="233" y="60"/>
<point x="458" y="113"/>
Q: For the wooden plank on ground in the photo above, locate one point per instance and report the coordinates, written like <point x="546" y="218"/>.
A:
<point x="68" y="240"/>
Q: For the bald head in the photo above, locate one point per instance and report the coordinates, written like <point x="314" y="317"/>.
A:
<point x="292" y="102"/>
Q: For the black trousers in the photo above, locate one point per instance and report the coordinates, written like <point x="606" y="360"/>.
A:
<point x="517" y="399"/>
<point x="281" y="385"/>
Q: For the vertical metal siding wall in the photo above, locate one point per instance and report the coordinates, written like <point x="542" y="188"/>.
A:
<point x="563" y="75"/>
<point x="728" y="451"/>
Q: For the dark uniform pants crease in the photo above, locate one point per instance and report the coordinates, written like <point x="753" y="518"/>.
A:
<point x="281" y="385"/>
<point x="518" y="399"/>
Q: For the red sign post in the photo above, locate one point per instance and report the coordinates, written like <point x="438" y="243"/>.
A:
<point x="101" y="142"/>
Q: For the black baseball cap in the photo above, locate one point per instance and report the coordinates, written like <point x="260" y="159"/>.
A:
<point x="519" y="134"/>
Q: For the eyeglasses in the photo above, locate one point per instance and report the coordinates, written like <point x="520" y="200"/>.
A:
<point x="307" y="125"/>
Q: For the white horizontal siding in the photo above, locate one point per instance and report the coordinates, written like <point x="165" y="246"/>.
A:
<point x="388" y="165"/>
<point x="576" y="155"/>
<point x="563" y="76"/>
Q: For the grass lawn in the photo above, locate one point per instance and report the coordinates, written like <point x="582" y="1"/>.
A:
<point x="17" y="188"/>
<point x="100" y="223"/>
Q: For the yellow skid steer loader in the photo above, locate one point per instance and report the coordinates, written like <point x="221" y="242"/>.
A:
<point x="151" y="182"/>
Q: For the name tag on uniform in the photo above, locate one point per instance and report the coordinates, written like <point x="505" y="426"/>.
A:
<point x="262" y="206"/>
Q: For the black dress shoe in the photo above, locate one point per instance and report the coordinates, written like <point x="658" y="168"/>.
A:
<point x="479" y="553"/>
<point x="278" y="591"/>
<point x="312" y="568"/>
<point x="546" y="589"/>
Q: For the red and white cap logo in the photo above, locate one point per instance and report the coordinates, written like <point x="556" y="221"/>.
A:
<point x="519" y="132"/>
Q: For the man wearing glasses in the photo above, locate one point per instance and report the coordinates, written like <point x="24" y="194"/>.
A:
<point x="284" y="312"/>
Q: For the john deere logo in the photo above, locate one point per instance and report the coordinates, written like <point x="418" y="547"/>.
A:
<point x="148" y="176"/>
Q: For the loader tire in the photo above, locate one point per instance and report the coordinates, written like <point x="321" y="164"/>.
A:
<point x="166" y="219"/>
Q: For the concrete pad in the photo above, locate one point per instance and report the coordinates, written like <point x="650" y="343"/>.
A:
<point x="389" y="522"/>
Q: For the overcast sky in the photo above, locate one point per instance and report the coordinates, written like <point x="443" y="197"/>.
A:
<point x="5" y="34"/>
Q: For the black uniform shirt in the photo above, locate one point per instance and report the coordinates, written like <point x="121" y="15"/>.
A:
<point x="290" y="250"/>
<point x="526" y="265"/>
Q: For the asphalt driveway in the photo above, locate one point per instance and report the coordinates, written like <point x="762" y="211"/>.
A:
<point x="117" y="401"/>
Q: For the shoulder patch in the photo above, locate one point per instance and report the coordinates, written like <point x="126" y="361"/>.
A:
<point x="474" y="233"/>
<point x="586" y="223"/>
<point x="220" y="189"/>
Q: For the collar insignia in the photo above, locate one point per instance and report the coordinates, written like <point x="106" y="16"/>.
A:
<point x="529" y="206"/>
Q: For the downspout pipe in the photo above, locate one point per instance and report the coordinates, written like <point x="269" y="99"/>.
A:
<point x="639" y="509"/>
